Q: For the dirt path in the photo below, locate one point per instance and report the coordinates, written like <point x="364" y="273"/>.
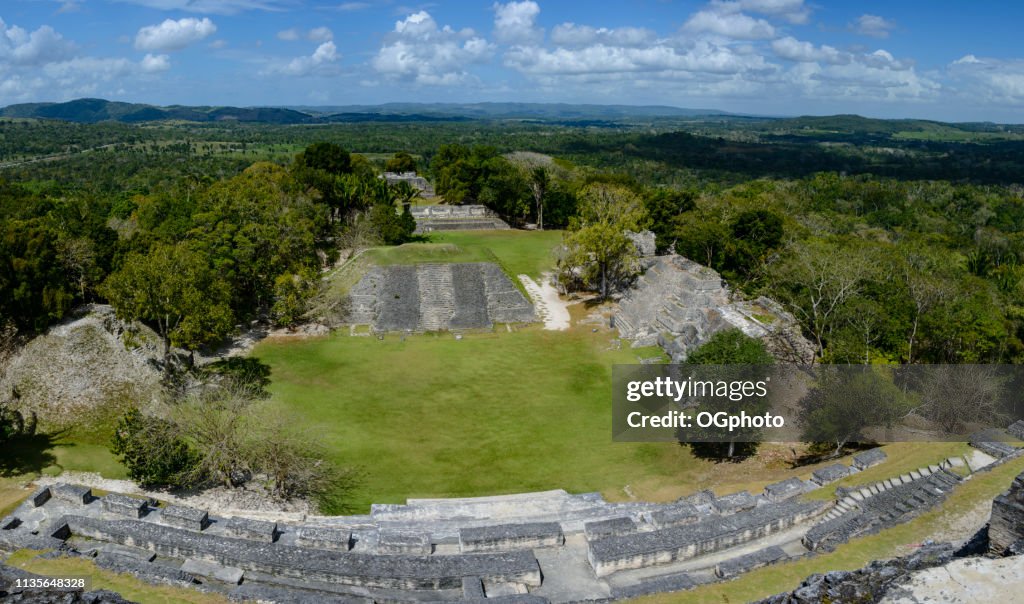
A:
<point x="550" y="307"/>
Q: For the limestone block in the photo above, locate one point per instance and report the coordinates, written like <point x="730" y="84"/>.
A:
<point x="212" y="570"/>
<point x="866" y="459"/>
<point x="185" y="517"/>
<point x="829" y="474"/>
<point x="247" y="528"/>
<point x="324" y="537"/>
<point x="72" y="493"/>
<point x="123" y="505"/>
<point x="510" y="536"/>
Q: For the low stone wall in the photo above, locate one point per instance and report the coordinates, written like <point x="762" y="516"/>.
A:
<point x="748" y="562"/>
<point x="709" y="535"/>
<point x="511" y="536"/>
<point x="367" y="570"/>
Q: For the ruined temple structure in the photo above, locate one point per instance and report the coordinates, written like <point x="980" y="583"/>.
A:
<point x="679" y="304"/>
<point x="437" y="297"/>
<point x="456" y="218"/>
<point x="527" y="548"/>
<point x="419" y="183"/>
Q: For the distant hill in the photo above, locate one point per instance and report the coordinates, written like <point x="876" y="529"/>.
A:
<point x="90" y="111"/>
<point x="541" y="111"/>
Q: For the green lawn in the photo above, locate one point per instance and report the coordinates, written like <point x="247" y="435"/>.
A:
<point x="418" y="253"/>
<point x="431" y="416"/>
<point x="521" y="252"/>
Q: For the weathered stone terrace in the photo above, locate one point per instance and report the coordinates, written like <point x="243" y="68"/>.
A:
<point x="456" y="218"/>
<point x="709" y="535"/>
<point x="401" y="572"/>
<point x="549" y="545"/>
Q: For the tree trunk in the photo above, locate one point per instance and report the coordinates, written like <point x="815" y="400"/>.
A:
<point x="540" y="215"/>
<point x="732" y="448"/>
<point x="604" y="281"/>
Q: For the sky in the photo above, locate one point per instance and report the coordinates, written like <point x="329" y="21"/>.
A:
<point x="940" y="59"/>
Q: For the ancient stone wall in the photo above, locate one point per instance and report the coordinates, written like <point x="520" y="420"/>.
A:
<point x="437" y="297"/>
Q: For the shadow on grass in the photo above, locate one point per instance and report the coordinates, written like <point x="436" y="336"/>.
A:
<point x="819" y="452"/>
<point x="29" y="454"/>
<point x="719" y="452"/>
<point x="242" y="370"/>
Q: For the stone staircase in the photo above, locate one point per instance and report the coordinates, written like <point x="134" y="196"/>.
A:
<point x="851" y="501"/>
<point x="437" y="304"/>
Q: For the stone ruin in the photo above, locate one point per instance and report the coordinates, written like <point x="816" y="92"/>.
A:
<point x="437" y="297"/>
<point x="528" y="548"/>
<point x="456" y="218"/>
<point x="974" y="571"/>
<point x="679" y="304"/>
<point x="417" y="182"/>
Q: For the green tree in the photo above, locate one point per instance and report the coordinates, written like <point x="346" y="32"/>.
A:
<point x="328" y="157"/>
<point x="400" y="162"/>
<point x="847" y="400"/>
<point x="664" y="207"/>
<point x="292" y="293"/>
<point x="742" y="357"/>
<point x="153" y="451"/>
<point x="596" y="243"/>
<point x="174" y="289"/>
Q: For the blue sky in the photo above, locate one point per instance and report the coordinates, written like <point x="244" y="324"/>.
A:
<point x="945" y="60"/>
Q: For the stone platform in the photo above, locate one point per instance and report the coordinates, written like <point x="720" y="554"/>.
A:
<point x="455" y="218"/>
<point x="437" y="297"/>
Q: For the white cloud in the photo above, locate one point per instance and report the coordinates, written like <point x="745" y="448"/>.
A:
<point x="174" y="35"/>
<point x="873" y="25"/>
<point x="795" y="50"/>
<point x="42" y="64"/>
<point x="990" y="80"/>
<point x="662" y="60"/>
<point x="155" y="63"/>
<point x="352" y="6"/>
<point x="44" y="45"/>
<point x="211" y="7"/>
<point x="419" y="51"/>
<point x="571" y="35"/>
<point x="321" y="62"/>
<point x="320" y="34"/>
<point x="515" y="22"/>
<point x="317" y="34"/>
<point x="736" y="26"/>
<point x="794" y="11"/>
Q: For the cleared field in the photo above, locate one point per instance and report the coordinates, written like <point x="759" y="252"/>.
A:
<point x="432" y="416"/>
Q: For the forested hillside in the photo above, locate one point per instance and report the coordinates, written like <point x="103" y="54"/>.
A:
<point x="904" y="253"/>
